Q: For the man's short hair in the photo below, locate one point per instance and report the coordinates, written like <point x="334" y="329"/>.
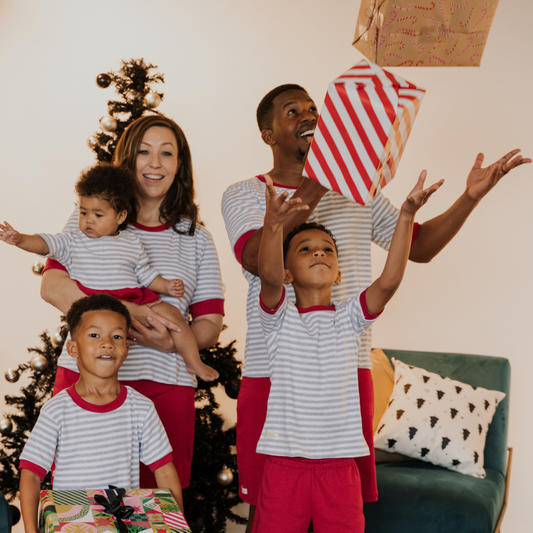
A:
<point x="303" y="227"/>
<point x="95" y="302"/>
<point x="265" y="108"/>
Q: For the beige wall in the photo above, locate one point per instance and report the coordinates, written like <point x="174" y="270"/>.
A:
<point x="219" y="59"/>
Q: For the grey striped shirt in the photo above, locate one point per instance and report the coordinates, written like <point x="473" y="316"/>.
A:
<point x="313" y="406"/>
<point x="96" y="445"/>
<point x="106" y="263"/>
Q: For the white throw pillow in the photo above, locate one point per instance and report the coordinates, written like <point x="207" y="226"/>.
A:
<point x="438" y="420"/>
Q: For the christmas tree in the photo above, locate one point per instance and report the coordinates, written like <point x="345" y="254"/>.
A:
<point x="214" y="486"/>
<point x="132" y="82"/>
<point x="213" y="490"/>
<point x="15" y="428"/>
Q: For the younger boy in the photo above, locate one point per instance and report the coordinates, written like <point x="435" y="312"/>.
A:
<point x="313" y="426"/>
<point x="97" y="430"/>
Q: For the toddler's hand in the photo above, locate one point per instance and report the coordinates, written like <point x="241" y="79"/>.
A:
<point x="176" y="287"/>
<point x="8" y="234"/>
<point x="419" y="196"/>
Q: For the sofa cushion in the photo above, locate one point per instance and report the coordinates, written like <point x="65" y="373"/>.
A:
<point x="383" y="379"/>
<point x="437" y="419"/>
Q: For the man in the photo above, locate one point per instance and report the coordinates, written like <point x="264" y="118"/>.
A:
<point x="287" y="118"/>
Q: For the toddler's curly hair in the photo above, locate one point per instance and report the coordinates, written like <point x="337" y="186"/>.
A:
<point x="111" y="183"/>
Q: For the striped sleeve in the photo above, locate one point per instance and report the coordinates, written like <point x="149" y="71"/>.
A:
<point x="59" y="246"/>
<point x="72" y="223"/>
<point x="40" y="448"/>
<point x="208" y="297"/>
<point x="144" y="271"/>
<point x="384" y="220"/>
<point x="243" y="214"/>
<point x="271" y="321"/>
<point x="154" y="441"/>
<point x="361" y="319"/>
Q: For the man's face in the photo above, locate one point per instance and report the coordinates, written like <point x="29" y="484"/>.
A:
<point x="294" y="121"/>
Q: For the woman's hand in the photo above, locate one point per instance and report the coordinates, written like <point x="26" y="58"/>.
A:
<point x="150" y="329"/>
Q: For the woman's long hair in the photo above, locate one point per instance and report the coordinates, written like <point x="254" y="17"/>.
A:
<point x="179" y="200"/>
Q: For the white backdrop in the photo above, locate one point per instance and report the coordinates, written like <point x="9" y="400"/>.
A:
<point x="219" y="58"/>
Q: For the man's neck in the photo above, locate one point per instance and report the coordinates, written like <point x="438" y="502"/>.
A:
<point x="287" y="171"/>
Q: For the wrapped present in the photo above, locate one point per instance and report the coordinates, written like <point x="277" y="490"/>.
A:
<point x="364" y="124"/>
<point x="427" y="33"/>
<point x="111" y="511"/>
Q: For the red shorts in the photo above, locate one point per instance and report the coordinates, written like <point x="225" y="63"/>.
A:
<point x="296" y="491"/>
<point x="174" y="405"/>
<point x="251" y="415"/>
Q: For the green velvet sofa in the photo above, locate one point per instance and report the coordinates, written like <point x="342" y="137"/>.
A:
<point x="5" y="515"/>
<point x="418" y="497"/>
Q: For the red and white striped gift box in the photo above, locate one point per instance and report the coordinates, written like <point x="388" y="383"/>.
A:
<point x="365" y="122"/>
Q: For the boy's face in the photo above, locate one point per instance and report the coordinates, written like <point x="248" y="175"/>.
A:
<point x="97" y="218"/>
<point x="293" y="122"/>
<point x="312" y="261"/>
<point x="99" y="344"/>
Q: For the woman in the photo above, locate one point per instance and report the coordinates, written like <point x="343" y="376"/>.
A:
<point x="156" y="152"/>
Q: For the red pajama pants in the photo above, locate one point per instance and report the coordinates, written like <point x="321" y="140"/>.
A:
<point x="296" y="491"/>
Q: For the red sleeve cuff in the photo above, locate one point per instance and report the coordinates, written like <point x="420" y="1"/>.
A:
<point x="160" y="462"/>
<point x="272" y="311"/>
<point x="366" y="312"/>
<point x="52" y="264"/>
<point x="36" y="469"/>
<point x="207" y="307"/>
<point x="241" y="243"/>
<point x="416" y="229"/>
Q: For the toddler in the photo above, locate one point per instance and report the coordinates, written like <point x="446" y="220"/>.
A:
<point x="102" y="256"/>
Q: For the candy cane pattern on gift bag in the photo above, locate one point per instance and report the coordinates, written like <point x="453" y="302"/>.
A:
<point x="366" y="119"/>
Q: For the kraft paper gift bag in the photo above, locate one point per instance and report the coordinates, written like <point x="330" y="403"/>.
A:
<point x="425" y="33"/>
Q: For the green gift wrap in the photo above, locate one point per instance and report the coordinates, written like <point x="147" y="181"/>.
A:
<point x="77" y="511"/>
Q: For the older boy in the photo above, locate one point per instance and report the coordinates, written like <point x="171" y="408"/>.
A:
<point x="313" y="428"/>
<point x="97" y="430"/>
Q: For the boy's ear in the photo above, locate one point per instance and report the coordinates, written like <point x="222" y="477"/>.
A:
<point x="122" y="216"/>
<point x="72" y="348"/>
<point x="338" y="278"/>
<point x="266" y="135"/>
<point x="288" y="278"/>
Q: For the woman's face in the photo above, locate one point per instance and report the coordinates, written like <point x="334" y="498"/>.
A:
<point x="157" y="163"/>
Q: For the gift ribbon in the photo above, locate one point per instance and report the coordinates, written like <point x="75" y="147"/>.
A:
<point x="114" y="506"/>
